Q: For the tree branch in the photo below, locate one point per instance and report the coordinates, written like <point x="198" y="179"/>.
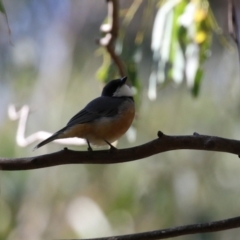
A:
<point x="110" y="31"/>
<point x="162" y="144"/>
<point x="179" y="231"/>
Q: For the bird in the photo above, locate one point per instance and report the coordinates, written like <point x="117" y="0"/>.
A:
<point x="104" y="119"/>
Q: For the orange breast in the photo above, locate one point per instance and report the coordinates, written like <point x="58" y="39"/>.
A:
<point x="105" y="128"/>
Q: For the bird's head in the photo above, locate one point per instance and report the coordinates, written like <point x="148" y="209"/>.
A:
<point x="117" y="88"/>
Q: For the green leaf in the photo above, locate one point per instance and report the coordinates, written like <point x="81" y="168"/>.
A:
<point x="2" y="8"/>
<point x="196" y="86"/>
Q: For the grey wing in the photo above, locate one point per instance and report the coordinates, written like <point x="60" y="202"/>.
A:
<point x="99" y="107"/>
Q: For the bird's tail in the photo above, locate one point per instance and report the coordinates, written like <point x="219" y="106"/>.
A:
<point x="50" y="139"/>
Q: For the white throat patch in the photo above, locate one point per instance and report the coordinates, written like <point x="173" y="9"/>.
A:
<point x="123" y="91"/>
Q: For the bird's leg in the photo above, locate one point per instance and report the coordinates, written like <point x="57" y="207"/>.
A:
<point x="89" y="146"/>
<point x="111" y="146"/>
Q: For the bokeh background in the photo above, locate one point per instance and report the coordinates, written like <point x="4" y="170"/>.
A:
<point x="51" y="66"/>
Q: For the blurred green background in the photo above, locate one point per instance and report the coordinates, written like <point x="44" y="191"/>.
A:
<point x="52" y="67"/>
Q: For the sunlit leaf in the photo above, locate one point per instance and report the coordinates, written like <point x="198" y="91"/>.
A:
<point x="200" y="37"/>
<point x="178" y="64"/>
<point x="152" y="89"/>
<point x="159" y="25"/>
<point x="181" y="39"/>
<point x="176" y="73"/>
<point x="200" y="15"/>
<point x="192" y="63"/>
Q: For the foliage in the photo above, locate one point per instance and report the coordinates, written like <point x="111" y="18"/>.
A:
<point x="181" y="40"/>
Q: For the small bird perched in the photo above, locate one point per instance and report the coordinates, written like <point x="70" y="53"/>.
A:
<point x="104" y="119"/>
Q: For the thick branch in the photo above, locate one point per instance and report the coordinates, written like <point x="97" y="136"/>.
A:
<point x="179" y="231"/>
<point x="163" y="144"/>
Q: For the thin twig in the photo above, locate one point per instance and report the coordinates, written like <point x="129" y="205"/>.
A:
<point x="163" y="144"/>
<point x="110" y="31"/>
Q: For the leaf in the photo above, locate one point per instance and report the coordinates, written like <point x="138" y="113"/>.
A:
<point x="3" y="10"/>
<point x="176" y="54"/>
<point x="102" y="72"/>
<point x="196" y="86"/>
<point x="152" y="89"/>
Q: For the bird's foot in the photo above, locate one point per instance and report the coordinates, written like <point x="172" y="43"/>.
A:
<point x="112" y="148"/>
<point x="89" y="146"/>
<point x="90" y="149"/>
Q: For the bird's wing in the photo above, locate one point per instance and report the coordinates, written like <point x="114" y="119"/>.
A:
<point x="99" y="107"/>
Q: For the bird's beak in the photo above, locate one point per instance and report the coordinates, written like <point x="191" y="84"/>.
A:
<point x="123" y="80"/>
